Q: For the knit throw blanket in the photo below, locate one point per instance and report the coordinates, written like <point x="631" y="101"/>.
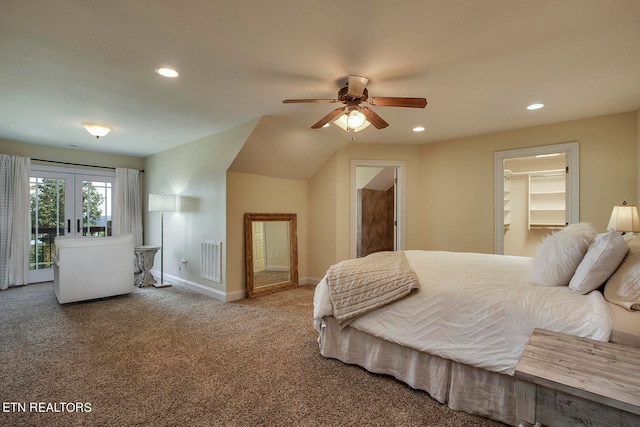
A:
<point x="357" y="286"/>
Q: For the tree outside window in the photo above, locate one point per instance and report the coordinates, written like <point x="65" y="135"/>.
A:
<point x="48" y="217"/>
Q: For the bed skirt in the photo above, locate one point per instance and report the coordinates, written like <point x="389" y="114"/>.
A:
<point x="461" y="387"/>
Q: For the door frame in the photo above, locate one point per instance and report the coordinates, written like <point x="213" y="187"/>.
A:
<point x="73" y="200"/>
<point x="399" y="199"/>
<point x="46" y="274"/>
<point x="572" y="183"/>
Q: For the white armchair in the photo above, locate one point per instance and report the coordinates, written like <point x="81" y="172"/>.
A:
<point x="92" y="267"/>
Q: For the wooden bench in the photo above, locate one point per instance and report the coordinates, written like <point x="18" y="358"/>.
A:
<point x="565" y="380"/>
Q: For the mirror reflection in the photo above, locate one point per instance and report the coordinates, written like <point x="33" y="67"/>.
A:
<point x="271" y="252"/>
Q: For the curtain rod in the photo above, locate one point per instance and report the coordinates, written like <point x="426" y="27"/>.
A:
<point x="78" y="164"/>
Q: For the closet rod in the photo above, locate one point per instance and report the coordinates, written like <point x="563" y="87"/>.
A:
<point x="554" y="171"/>
<point x="78" y="164"/>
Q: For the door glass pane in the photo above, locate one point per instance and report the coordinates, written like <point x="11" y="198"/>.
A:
<point x="47" y="219"/>
<point x="96" y="208"/>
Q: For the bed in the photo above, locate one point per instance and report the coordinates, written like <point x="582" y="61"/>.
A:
<point x="458" y="333"/>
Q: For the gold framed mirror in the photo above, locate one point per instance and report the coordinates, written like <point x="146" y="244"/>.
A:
<point x="271" y="252"/>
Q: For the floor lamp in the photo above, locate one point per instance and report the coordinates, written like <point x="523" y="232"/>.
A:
<point x="162" y="203"/>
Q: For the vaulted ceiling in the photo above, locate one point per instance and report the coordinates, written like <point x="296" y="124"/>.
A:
<point x="479" y="63"/>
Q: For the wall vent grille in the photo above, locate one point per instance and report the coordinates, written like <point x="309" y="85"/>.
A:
<point x="210" y="260"/>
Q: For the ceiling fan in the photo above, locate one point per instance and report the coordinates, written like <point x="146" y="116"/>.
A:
<point x="357" y="117"/>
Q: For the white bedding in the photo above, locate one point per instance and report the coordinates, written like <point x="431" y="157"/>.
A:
<point x="477" y="309"/>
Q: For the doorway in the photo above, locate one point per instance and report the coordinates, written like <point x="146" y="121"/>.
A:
<point x="65" y="202"/>
<point x="535" y="201"/>
<point x="536" y="193"/>
<point x="377" y="206"/>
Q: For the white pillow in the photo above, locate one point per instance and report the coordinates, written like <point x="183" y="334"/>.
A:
<point x="560" y="253"/>
<point x="623" y="287"/>
<point x="603" y="257"/>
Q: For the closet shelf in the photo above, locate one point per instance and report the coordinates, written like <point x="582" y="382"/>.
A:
<point x="547" y="201"/>
<point x="546" y="226"/>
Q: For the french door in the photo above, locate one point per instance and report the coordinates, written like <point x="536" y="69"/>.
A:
<point x="65" y="203"/>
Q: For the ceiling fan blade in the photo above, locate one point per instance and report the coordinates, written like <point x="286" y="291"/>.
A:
<point x="326" y="119"/>
<point x="356" y="85"/>
<point x="300" y="101"/>
<point x="398" y="102"/>
<point x="373" y="118"/>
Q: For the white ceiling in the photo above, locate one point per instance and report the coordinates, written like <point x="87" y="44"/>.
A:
<point x="478" y="62"/>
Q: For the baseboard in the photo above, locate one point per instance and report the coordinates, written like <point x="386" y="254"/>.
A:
<point x="202" y="289"/>
<point x="217" y="294"/>
<point x="278" y="268"/>
<point x="308" y="280"/>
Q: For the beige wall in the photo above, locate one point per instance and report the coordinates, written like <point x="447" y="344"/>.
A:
<point x="248" y="193"/>
<point x="196" y="172"/>
<point x="638" y="153"/>
<point x="450" y="184"/>
<point x="449" y="194"/>
<point x="457" y="177"/>
<point x="323" y="216"/>
<point x="331" y="201"/>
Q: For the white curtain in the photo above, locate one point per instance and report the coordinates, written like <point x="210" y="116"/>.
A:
<point x="127" y="204"/>
<point x="15" y="220"/>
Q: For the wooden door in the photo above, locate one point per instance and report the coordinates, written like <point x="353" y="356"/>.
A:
<point x="258" y="246"/>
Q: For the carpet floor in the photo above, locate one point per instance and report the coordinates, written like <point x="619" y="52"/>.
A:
<point x="173" y="357"/>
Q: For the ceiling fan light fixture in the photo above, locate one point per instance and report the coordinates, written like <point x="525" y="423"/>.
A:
<point x="355" y="119"/>
<point x="97" y="129"/>
<point x="358" y="117"/>
<point x="347" y="123"/>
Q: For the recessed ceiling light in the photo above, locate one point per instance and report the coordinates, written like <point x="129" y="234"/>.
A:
<point x="418" y="129"/>
<point x="535" y="106"/>
<point x="167" y="72"/>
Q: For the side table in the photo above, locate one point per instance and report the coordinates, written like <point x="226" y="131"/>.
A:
<point x="144" y="262"/>
<point x="565" y="380"/>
